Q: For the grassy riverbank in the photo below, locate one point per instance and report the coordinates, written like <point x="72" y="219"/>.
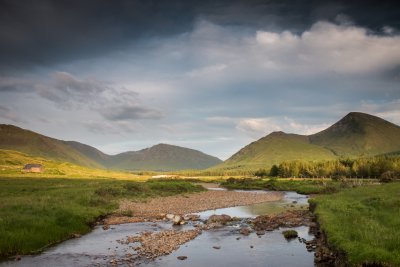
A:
<point x="304" y="186"/>
<point x="363" y="223"/>
<point x="37" y="212"/>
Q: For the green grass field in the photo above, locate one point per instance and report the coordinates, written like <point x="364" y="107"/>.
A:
<point x="35" y="213"/>
<point x="364" y="223"/>
<point x="301" y="186"/>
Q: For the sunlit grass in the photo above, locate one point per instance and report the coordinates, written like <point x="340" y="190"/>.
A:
<point x="37" y="212"/>
<point x="364" y="223"/>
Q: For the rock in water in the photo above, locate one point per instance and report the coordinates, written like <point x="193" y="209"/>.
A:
<point x="245" y="231"/>
<point x="181" y="258"/>
<point x="177" y="219"/>
<point x="223" y="219"/>
<point x="169" y="216"/>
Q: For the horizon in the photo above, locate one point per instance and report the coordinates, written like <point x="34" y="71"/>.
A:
<point x="212" y="76"/>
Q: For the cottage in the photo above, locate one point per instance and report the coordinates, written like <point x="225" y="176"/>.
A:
<point x="33" y="168"/>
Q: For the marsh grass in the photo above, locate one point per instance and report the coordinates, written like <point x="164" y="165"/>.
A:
<point x="35" y="213"/>
<point x="364" y="223"/>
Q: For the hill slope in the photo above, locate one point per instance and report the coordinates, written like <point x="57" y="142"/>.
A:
<point x="273" y="149"/>
<point x="18" y="139"/>
<point x="160" y="157"/>
<point x="165" y="158"/>
<point x="357" y="134"/>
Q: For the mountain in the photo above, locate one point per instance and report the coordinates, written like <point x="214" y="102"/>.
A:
<point x="15" y="138"/>
<point x="273" y="149"/>
<point x="357" y="134"/>
<point x="164" y="157"/>
<point x="160" y="157"/>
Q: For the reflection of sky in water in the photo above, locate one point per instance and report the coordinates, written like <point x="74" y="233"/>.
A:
<point x="261" y="208"/>
<point x="271" y="250"/>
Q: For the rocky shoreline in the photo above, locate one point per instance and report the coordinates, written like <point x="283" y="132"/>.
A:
<point x="151" y="245"/>
<point x="186" y="204"/>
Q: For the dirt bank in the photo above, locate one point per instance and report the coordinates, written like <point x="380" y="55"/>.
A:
<point x="184" y="204"/>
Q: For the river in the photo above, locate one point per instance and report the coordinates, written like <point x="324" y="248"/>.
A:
<point x="100" y="247"/>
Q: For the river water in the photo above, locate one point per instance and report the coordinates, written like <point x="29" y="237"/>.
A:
<point x="100" y="247"/>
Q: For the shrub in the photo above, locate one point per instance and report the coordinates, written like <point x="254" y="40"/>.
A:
<point x="388" y="176"/>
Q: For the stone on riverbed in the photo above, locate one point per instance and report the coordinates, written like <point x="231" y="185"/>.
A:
<point x="178" y="220"/>
<point x="245" y="231"/>
<point x="222" y="219"/>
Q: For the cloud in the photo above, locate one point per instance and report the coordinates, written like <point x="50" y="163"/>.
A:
<point x="259" y="127"/>
<point x="328" y="48"/>
<point x="9" y="115"/>
<point x="113" y="128"/>
<point x="114" y="104"/>
<point x="206" y="71"/>
<point x="131" y="113"/>
<point x="389" y="110"/>
<point x="14" y="84"/>
<point x="66" y="89"/>
<point x="324" y="48"/>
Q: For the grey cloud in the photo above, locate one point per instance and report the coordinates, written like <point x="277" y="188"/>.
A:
<point x="15" y="84"/>
<point x="65" y="89"/>
<point x="48" y="32"/>
<point x="7" y="114"/>
<point x="131" y="113"/>
<point x="115" y="104"/>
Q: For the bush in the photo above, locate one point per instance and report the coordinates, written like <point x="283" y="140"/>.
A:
<point x="261" y="173"/>
<point x="388" y="176"/>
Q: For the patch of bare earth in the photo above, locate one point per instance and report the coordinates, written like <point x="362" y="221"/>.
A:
<point x="190" y="203"/>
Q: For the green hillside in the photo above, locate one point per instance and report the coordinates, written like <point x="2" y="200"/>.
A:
<point x="359" y="134"/>
<point x="356" y="135"/>
<point x="12" y="162"/>
<point x="15" y="138"/>
<point x="273" y="149"/>
<point x="163" y="157"/>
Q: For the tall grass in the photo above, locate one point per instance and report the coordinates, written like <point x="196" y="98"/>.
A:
<point x="364" y="223"/>
<point x="37" y="212"/>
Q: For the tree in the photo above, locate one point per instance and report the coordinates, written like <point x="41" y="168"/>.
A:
<point x="274" y="172"/>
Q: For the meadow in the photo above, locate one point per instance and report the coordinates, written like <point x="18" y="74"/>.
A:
<point x="363" y="223"/>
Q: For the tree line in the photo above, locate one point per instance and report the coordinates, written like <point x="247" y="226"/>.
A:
<point x="373" y="167"/>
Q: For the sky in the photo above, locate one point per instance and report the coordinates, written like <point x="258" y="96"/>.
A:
<point x="209" y="75"/>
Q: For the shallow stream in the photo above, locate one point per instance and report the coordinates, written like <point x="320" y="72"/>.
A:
<point x="100" y="247"/>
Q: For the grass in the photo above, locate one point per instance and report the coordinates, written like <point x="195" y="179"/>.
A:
<point x="364" y="223"/>
<point x="11" y="163"/>
<point x="301" y="186"/>
<point x="290" y="234"/>
<point x="35" y="213"/>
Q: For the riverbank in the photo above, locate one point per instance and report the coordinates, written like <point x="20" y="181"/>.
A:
<point x="361" y="225"/>
<point x="185" y="204"/>
<point x="37" y="213"/>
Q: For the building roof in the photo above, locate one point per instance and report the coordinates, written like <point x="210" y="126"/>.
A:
<point x="30" y="166"/>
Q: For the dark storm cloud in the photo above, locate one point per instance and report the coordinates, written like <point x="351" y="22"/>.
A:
<point x="44" y="32"/>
